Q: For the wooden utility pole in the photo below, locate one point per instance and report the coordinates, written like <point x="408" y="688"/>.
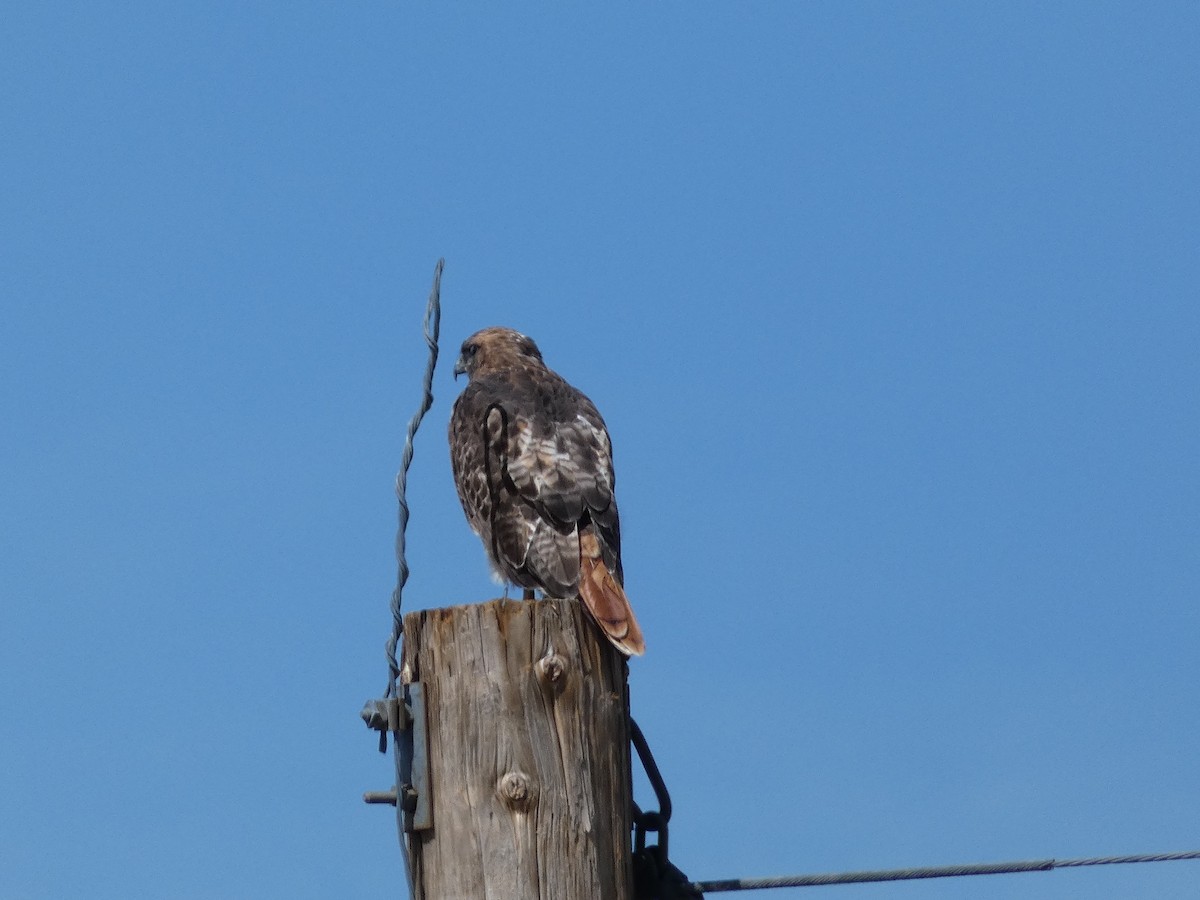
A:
<point x="526" y="709"/>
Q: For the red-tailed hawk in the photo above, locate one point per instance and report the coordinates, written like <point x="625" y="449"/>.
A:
<point x="533" y="467"/>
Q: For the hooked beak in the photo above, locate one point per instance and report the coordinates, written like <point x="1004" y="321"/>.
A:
<point x="460" y="368"/>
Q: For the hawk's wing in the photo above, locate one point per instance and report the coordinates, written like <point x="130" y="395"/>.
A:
<point x="533" y="464"/>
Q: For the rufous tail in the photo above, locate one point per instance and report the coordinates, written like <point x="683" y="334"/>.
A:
<point x="605" y="599"/>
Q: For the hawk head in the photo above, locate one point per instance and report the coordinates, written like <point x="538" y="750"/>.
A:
<point x="495" y="349"/>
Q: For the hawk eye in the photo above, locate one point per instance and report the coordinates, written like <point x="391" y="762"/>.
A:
<point x="470" y="349"/>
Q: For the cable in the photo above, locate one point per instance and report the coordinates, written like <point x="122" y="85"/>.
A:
<point x="431" y="325"/>
<point x="1005" y="868"/>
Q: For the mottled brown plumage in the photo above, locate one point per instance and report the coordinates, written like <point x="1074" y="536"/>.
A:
<point x="533" y="467"/>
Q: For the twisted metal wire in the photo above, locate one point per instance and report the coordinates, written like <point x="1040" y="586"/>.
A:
<point x="1035" y="865"/>
<point x="431" y="325"/>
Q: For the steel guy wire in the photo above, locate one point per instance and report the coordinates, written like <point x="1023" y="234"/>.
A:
<point x="1004" y="868"/>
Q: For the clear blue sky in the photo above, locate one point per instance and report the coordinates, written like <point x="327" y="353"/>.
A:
<point x="894" y="314"/>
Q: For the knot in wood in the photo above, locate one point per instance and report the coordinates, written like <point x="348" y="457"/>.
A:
<point x="552" y="671"/>
<point x="516" y="789"/>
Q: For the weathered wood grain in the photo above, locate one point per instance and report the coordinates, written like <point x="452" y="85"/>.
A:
<point x="529" y="754"/>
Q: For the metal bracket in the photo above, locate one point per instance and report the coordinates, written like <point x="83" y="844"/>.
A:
<point x="655" y="877"/>
<point x="416" y="777"/>
<point x="406" y="722"/>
